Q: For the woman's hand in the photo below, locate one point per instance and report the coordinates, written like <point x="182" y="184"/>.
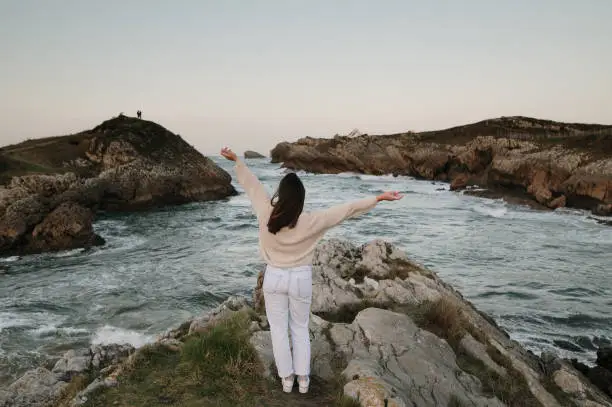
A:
<point x="389" y="196"/>
<point x="228" y="154"/>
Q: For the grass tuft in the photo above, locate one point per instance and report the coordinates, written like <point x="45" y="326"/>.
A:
<point x="444" y="318"/>
<point x="511" y="389"/>
<point x="77" y="384"/>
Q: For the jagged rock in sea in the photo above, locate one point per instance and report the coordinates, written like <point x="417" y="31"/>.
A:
<point x="253" y="154"/>
<point x="552" y="164"/>
<point x="391" y="329"/>
<point x="53" y="187"/>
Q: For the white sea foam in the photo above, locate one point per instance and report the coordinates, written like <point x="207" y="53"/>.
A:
<point x="111" y="334"/>
<point x="32" y="321"/>
<point x="53" y="330"/>
<point x="496" y="211"/>
<point x="387" y="177"/>
<point x="68" y="253"/>
<point x="9" y="320"/>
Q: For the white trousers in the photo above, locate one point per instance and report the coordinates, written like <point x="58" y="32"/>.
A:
<point x="287" y="294"/>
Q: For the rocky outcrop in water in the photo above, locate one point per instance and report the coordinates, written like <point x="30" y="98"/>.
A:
<point x="392" y="330"/>
<point x="554" y="164"/>
<point x="253" y="154"/>
<point x="52" y="187"/>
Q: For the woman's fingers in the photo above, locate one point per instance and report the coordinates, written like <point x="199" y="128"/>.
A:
<point x="393" y="195"/>
<point x="227" y="153"/>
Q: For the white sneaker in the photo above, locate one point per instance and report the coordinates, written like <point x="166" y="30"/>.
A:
<point x="288" y="383"/>
<point x="303" y="383"/>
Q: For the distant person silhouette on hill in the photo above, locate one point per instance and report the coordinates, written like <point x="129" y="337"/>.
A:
<point x="287" y="240"/>
<point x="139" y="114"/>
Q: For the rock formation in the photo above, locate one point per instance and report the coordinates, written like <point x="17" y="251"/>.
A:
<point x="601" y="374"/>
<point x="392" y="330"/>
<point x="553" y="164"/>
<point x="53" y="187"/>
<point x="43" y="388"/>
<point x="253" y="154"/>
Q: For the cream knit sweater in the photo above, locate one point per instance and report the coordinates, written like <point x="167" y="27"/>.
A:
<point x="293" y="247"/>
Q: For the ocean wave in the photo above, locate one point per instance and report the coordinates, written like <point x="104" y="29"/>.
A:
<point x="10" y="259"/>
<point x="116" y="243"/>
<point x="242" y="226"/>
<point x="52" y="330"/>
<point x="348" y="175"/>
<point x="387" y="177"/>
<point x="28" y="320"/>
<point x="577" y="292"/>
<point x="510" y="294"/>
<point x="579" y="320"/>
<point x="68" y="253"/>
<point x="491" y="211"/>
<point x="8" y="320"/>
<point x="109" y="334"/>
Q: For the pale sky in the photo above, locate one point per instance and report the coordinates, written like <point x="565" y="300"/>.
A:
<point x="249" y="74"/>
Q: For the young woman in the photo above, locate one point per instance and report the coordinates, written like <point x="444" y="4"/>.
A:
<point x="287" y="240"/>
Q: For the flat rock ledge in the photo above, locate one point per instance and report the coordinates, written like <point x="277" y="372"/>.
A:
<point x="395" y="333"/>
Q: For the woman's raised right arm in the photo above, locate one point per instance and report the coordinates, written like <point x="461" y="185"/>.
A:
<point x="328" y="218"/>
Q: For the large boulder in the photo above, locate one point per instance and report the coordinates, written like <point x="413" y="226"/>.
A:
<point x="36" y="388"/>
<point x="43" y="388"/>
<point x="68" y="226"/>
<point x="19" y="218"/>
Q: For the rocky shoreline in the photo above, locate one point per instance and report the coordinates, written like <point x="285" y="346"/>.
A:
<point x="52" y="188"/>
<point x="546" y="163"/>
<point x="391" y="329"/>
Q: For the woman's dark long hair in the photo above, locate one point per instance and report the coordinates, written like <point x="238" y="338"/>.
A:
<point x="287" y="203"/>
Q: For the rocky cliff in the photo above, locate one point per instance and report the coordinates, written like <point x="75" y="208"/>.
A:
<point x="391" y="330"/>
<point x="550" y="163"/>
<point x="53" y="187"/>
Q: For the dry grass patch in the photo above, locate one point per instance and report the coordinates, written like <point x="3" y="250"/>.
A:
<point x="444" y="318"/>
<point x="78" y="383"/>
<point x="511" y="389"/>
